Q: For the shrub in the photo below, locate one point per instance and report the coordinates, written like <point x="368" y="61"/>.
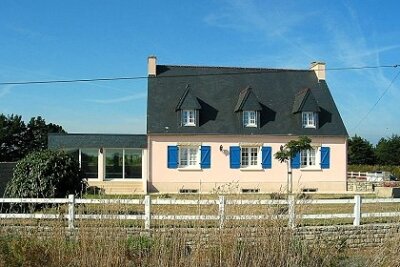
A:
<point x="45" y="174"/>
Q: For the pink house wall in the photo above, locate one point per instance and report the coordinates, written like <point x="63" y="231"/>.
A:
<point x="220" y="177"/>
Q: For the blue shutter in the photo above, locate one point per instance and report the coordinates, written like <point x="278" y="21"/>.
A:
<point x="266" y="157"/>
<point x="234" y="157"/>
<point x="295" y="161"/>
<point x="325" y="155"/>
<point x="205" y="157"/>
<point x="173" y="157"/>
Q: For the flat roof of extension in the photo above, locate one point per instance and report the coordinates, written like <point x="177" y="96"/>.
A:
<point x="56" y="141"/>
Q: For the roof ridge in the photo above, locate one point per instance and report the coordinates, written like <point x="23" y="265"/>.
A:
<point x="234" y="68"/>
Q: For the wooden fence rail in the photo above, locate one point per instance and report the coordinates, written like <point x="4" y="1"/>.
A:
<point x="221" y="202"/>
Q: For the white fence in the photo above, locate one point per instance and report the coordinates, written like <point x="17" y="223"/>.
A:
<point x="221" y="217"/>
<point x="369" y="176"/>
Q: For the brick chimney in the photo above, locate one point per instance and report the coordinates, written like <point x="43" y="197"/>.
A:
<point x="319" y="68"/>
<point x="152" y="65"/>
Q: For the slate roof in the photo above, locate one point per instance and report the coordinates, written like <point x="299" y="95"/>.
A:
<point x="56" y="141"/>
<point x="218" y="91"/>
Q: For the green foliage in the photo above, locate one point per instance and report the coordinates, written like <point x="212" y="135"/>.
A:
<point x="19" y="139"/>
<point x="388" y="151"/>
<point x="360" y="151"/>
<point x="289" y="150"/>
<point x="45" y="174"/>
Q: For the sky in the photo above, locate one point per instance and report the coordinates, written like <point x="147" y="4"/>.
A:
<point x="51" y="40"/>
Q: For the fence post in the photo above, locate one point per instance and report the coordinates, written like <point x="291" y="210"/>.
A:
<point x="221" y="210"/>
<point x="357" y="210"/>
<point x="71" y="211"/>
<point x="291" y="211"/>
<point x="147" y="215"/>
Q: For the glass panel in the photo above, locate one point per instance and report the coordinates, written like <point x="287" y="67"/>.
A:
<point x="89" y="162"/>
<point x="133" y="163"/>
<point x="73" y="152"/>
<point x="254" y="152"/>
<point x="192" y="156"/>
<point x="245" y="156"/>
<point x="183" y="157"/>
<point x="114" y="161"/>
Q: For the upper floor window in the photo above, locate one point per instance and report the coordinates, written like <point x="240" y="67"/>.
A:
<point x="250" y="118"/>
<point x="309" y="119"/>
<point x="189" y="117"/>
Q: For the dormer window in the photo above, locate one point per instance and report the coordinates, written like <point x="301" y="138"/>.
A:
<point x="309" y="119"/>
<point x="250" y="118"/>
<point x="189" y="117"/>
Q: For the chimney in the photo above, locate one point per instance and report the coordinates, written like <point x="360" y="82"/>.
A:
<point x="152" y="65"/>
<point x="319" y="68"/>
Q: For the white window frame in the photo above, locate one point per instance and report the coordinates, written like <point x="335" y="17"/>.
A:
<point x="189" y="117"/>
<point x="250" y="118"/>
<point x="190" y="154"/>
<point x="309" y="119"/>
<point x="252" y="162"/>
<point x="310" y="159"/>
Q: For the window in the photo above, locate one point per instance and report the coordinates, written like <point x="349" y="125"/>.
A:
<point x="189" y="157"/>
<point x="123" y="163"/>
<point x="250" y="118"/>
<point x="309" y="119"/>
<point x="189" y="117"/>
<point x="308" y="158"/>
<point x="249" y="157"/>
<point x="317" y="158"/>
<point x="88" y="160"/>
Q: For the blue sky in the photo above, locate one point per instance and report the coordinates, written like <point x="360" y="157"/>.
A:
<point x="47" y="40"/>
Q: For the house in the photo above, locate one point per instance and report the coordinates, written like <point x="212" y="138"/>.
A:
<point x="216" y="129"/>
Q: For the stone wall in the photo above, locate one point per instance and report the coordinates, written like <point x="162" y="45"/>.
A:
<point x="340" y="236"/>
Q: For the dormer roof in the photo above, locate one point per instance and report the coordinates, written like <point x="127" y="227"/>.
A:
<point x="188" y="101"/>
<point x="247" y="101"/>
<point x="305" y="101"/>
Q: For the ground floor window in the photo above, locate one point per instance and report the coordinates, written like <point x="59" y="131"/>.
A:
<point x="123" y="163"/>
<point x="88" y="159"/>
<point x="308" y="158"/>
<point x="189" y="157"/>
<point x="249" y="157"/>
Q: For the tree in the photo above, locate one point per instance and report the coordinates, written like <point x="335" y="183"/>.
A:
<point x="45" y="174"/>
<point x="388" y="151"/>
<point x="360" y="151"/>
<point x="288" y="151"/>
<point x="18" y="139"/>
<point x="13" y="135"/>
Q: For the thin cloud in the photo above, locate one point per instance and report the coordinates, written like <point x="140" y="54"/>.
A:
<point x="118" y="100"/>
<point x="6" y="90"/>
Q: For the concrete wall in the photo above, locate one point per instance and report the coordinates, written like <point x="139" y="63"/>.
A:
<point x="220" y="175"/>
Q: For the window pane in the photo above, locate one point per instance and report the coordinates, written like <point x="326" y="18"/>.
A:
<point x="245" y="156"/>
<point x="183" y="156"/>
<point x="133" y="163"/>
<point x="114" y="161"/>
<point x="89" y="162"/>
<point x="254" y="156"/>
<point x="73" y="152"/>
